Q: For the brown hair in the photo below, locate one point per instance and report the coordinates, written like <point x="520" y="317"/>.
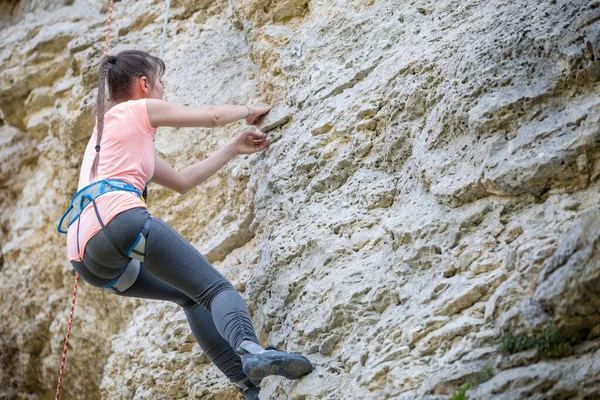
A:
<point x="121" y="72"/>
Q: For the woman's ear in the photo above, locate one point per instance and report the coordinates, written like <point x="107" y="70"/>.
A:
<point x="144" y="86"/>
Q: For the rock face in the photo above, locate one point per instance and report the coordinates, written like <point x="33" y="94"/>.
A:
<point x="424" y="222"/>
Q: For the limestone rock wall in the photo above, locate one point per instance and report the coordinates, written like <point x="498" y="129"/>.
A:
<point x="425" y="221"/>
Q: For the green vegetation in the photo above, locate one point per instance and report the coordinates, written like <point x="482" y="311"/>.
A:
<point x="422" y="11"/>
<point x="484" y="374"/>
<point x="461" y="393"/>
<point x="548" y="342"/>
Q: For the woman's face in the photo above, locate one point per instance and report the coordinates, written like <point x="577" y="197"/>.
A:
<point x="156" y="91"/>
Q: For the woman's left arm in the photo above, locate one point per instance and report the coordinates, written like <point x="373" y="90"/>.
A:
<point x="247" y="142"/>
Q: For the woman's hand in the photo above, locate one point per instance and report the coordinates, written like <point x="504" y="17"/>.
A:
<point x="248" y="142"/>
<point x="255" y="114"/>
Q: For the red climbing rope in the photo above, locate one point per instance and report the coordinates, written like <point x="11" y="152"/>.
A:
<point x="66" y="346"/>
<point x="110" y="10"/>
<point x="70" y="323"/>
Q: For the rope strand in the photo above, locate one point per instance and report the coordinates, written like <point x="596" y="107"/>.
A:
<point x="67" y="336"/>
<point x="164" y="34"/>
<point x="110" y="11"/>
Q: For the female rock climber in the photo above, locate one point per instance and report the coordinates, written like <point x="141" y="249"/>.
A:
<point x="110" y="229"/>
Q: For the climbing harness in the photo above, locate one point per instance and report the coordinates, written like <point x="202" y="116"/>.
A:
<point x="88" y="195"/>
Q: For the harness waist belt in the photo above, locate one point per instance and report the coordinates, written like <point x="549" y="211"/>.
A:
<point x="89" y="194"/>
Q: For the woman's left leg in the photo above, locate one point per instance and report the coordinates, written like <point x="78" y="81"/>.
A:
<point x="171" y="259"/>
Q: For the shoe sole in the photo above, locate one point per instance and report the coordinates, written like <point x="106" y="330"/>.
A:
<point x="289" y="366"/>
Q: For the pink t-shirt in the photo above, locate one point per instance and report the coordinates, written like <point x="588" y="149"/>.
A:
<point x="127" y="153"/>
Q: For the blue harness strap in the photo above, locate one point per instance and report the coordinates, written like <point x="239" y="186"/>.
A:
<point x="126" y="278"/>
<point x="88" y="195"/>
<point x="137" y="252"/>
<point x="138" y="248"/>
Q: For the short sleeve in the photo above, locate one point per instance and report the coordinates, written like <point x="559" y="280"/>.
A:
<point x="139" y="112"/>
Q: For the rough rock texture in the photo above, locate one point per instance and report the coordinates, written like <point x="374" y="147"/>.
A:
<point x="430" y="191"/>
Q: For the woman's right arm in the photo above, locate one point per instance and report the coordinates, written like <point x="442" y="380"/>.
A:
<point x="246" y="142"/>
<point x="161" y="113"/>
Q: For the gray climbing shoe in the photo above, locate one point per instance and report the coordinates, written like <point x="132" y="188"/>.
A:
<point x="248" y="389"/>
<point x="274" y="362"/>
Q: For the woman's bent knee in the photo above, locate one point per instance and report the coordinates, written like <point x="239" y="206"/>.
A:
<point x="206" y="297"/>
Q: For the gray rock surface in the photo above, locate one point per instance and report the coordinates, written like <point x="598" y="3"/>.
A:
<point x="429" y="198"/>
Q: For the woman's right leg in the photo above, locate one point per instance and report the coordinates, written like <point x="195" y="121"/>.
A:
<point x="102" y="263"/>
<point x="171" y="259"/>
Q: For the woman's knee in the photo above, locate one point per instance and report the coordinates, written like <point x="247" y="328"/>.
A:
<point x="189" y="270"/>
<point x="206" y="298"/>
<point x="188" y="304"/>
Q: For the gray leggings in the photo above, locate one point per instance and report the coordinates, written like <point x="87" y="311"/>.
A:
<point x="175" y="271"/>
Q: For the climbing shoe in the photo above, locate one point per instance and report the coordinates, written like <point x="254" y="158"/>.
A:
<point x="248" y="389"/>
<point x="274" y="362"/>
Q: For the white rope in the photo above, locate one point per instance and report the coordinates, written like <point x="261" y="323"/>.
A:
<point x="164" y="34"/>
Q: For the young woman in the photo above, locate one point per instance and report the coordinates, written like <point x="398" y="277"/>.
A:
<point x="113" y="242"/>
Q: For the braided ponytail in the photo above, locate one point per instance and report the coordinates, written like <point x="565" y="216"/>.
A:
<point x="100" y="111"/>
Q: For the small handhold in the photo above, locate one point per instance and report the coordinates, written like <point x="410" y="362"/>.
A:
<point x="321" y="129"/>
<point x="450" y="272"/>
<point x="275" y="118"/>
